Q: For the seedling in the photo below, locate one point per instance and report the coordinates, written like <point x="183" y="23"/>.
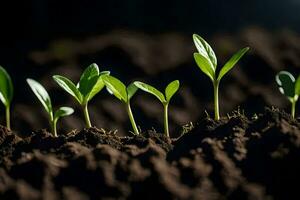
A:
<point x="44" y="98"/>
<point x="6" y="93"/>
<point x="207" y="62"/>
<point x="89" y="85"/>
<point x="290" y="87"/>
<point x="170" y="90"/>
<point x="119" y="90"/>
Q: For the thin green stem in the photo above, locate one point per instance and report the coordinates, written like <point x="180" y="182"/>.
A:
<point x="293" y="110"/>
<point x="216" y="100"/>
<point x="166" y="122"/>
<point x="135" y="129"/>
<point x="53" y="127"/>
<point x="7" y="112"/>
<point x="86" y="115"/>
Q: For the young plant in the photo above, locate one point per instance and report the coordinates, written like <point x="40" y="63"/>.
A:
<point x="207" y="62"/>
<point x="290" y="87"/>
<point x="89" y="85"/>
<point x="119" y="90"/>
<point x="6" y="93"/>
<point x="170" y="90"/>
<point x="44" y="98"/>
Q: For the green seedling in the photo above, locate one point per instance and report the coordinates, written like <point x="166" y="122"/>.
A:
<point x="44" y="98"/>
<point x="119" y="90"/>
<point x="170" y="90"/>
<point x="89" y="85"/>
<point x="6" y="93"/>
<point x="207" y="62"/>
<point x="290" y="87"/>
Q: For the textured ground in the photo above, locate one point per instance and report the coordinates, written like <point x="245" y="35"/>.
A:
<point x="235" y="158"/>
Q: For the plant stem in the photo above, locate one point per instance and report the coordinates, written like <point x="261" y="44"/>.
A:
<point x="216" y="99"/>
<point x="86" y="115"/>
<point x="166" y="123"/>
<point x="53" y="127"/>
<point x="135" y="129"/>
<point x="7" y="112"/>
<point x="293" y="108"/>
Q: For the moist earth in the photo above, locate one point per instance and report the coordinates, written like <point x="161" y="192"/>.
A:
<point x="234" y="158"/>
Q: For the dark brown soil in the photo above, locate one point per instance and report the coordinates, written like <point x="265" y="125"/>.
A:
<point x="234" y="158"/>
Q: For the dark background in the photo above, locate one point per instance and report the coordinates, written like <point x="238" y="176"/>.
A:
<point x="148" y="40"/>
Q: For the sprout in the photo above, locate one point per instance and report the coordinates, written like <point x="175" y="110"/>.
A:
<point x="89" y="85"/>
<point x="170" y="90"/>
<point x="6" y="93"/>
<point x="119" y="90"/>
<point x="44" y="98"/>
<point x="290" y="87"/>
<point x="207" y="62"/>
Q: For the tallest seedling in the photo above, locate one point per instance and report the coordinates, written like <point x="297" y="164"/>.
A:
<point x="207" y="62"/>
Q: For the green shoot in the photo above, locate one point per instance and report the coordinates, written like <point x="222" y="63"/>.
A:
<point x="89" y="85"/>
<point x="44" y="98"/>
<point x="207" y="62"/>
<point x="119" y="90"/>
<point x="170" y="90"/>
<point x="290" y="87"/>
<point x="6" y="93"/>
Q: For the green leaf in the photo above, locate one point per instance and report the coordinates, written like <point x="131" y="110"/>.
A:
<point x="116" y="87"/>
<point x="171" y="89"/>
<point x="6" y="87"/>
<point x="88" y="79"/>
<point x="131" y="90"/>
<point x="231" y="62"/>
<point x="286" y="83"/>
<point x="297" y="86"/>
<point x="63" y="111"/>
<point x="96" y="87"/>
<point x="41" y="93"/>
<point x="104" y="73"/>
<point x="205" y="66"/>
<point x="205" y="49"/>
<point x="148" y="88"/>
<point x="68" y="86"/>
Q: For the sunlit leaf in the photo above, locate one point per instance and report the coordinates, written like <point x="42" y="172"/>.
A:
<point x="116" y="87"/>
<point x="231" y="62"/>
<point x="205" y="49"/>
<point x="171" y="89"/>
<point x="63" y="111"/>
<point x="150" y="89"/>
<point x="68" y="86"/>
<point x="88" y="79"/>
<point x="41" y="93"/>
<point x="205" y="65"/>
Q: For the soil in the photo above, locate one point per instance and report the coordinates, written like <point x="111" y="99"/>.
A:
<point x="234" y="158"/>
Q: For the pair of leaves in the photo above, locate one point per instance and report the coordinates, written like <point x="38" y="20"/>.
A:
<point x="43" y="96"/>
<point x="207" y="61"/>
<point x="89" y="85"/>
<point x="170" y="90"/>
<point x="6" y="87"/>
<point x="288" y="85"/>
<point x="118" y="89"/>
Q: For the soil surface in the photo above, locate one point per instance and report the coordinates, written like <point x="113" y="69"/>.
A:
<point x="234" y="158"/>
